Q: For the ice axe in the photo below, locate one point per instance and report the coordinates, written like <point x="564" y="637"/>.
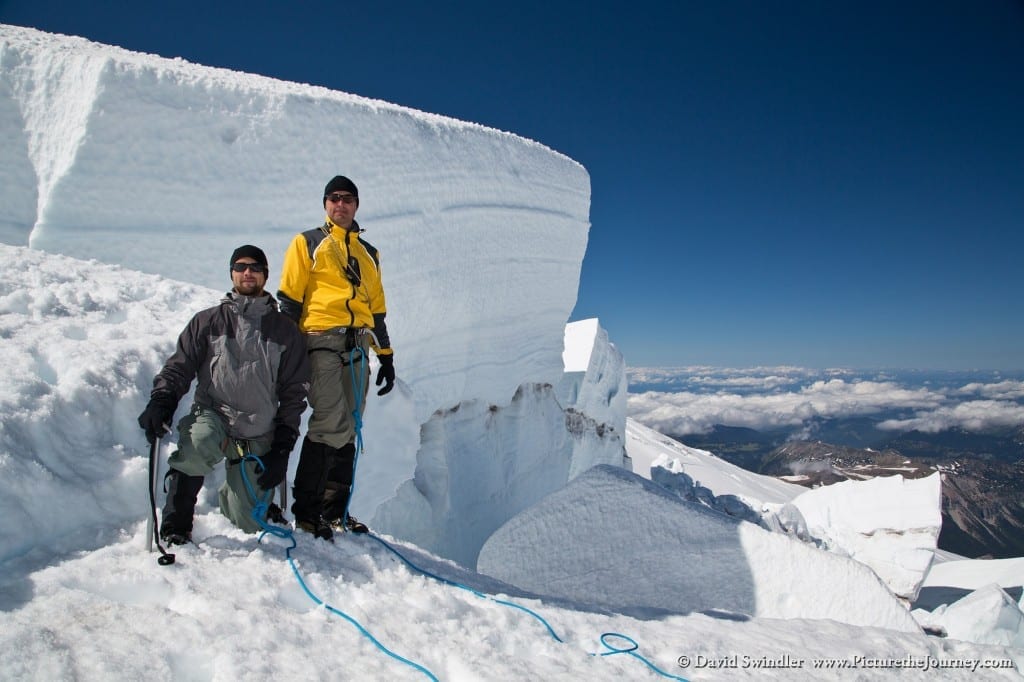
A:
<point x="165" y="559"/>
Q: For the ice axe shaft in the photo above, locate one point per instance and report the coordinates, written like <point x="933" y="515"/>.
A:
<point x="165" y="558"/>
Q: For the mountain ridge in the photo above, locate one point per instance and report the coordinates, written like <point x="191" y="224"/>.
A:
<point x="982" y="472"/>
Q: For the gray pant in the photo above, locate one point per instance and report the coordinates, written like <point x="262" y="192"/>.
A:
<point x="202" y="443"/>
<point x="339" y="377"/>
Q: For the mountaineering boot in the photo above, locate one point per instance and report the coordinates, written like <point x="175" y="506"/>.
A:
<point x="338" y="485"/>
<point x="350" y="525"/>
<point x="354" y="525"/>
<point x="319" y="529"/>
<point x="182" y="492"/>
<point x="174" y="538"/>
<point x="308" y="486"/>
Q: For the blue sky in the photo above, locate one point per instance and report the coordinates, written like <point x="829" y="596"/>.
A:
<point x="808" y="183"/>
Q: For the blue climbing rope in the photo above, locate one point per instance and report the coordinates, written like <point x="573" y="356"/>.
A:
<point x="262" y="504"/>
<point x="259" y="514"/>
<point x="446" y="581"/>
<point x="631" y="650"/>
<point x="357" y="413"/>
<point x="611" y="650"/>
<point x="354" y="622"/>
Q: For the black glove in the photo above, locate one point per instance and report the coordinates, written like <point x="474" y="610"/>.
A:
<point x="386" y="373"/>
<point x="275" y="462"/>
<point x="155" y="419"/>
<point x="275" y="466"/>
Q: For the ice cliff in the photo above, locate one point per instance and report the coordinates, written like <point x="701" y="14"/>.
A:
<point x="163" y="166"/>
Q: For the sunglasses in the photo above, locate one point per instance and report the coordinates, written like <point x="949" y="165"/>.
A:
<point x="338" y="196"/>
<point x="255" y="267"/>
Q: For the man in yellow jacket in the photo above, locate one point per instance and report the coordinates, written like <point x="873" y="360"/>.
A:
<point x="331" y="286"/>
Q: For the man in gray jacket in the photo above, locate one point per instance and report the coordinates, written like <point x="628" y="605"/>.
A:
<point x="253" y="375"/>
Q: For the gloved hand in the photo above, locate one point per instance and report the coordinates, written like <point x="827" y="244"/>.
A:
<point x="275" y="466"/>
<point x="386" y="373"/>
<point x="275" y="462"/>
<point x="155" y="419"/>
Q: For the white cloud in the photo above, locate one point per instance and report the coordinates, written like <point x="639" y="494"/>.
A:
<point x="1002" y="390"/>
<point x="974" y="415"/>
<point x="685" y="412"/>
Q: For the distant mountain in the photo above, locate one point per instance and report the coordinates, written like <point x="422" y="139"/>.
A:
<point x="982" y="473"/>
<point x="741" y="446"/>
<point x="858" y="432"/>
<point x="983" y="509"/>
<point x="957" y="443"/>
<point x="813" y="463"/>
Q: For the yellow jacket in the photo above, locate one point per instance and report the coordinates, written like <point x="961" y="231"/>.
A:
<point x="331" y="278"/>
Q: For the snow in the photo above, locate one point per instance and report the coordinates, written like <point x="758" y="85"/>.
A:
<point x="988" y="615"/>
<point x="489" y="224"/>
<point x="648" y="448"/>
<point x="579" y="345"/>
<point x="889" y="523"/>
<point x="694" y="559"/>
<point x="149" y="171"/>
<point x="964" y="573"/>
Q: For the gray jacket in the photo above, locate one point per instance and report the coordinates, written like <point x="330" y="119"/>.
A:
<point x="251" y="363"/>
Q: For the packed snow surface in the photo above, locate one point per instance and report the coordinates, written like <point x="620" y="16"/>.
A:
<point x="695" y="559"/>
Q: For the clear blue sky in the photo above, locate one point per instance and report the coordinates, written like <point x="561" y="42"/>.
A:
<point x="800" y="182"/>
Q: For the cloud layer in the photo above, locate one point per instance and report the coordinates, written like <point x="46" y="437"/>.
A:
<point x="690" y="400"/>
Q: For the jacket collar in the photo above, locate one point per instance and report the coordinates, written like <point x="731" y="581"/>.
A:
<point x="253" y="305"/>
<point x="331" y="225"/>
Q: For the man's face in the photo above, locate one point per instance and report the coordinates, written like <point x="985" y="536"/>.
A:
<point x="341" y="208"/>
<point x="248" y="276"/>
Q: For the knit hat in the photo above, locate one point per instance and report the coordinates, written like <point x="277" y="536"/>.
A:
<point x="339" y="183"/>
<point x="249" y="251"/>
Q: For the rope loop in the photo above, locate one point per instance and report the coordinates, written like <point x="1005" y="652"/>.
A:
<point x="632" y="651"/>
<point x="613" y="650"/>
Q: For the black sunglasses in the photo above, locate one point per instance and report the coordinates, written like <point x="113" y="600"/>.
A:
<point x="338" y="196"/>
<point x="255" y="267"/>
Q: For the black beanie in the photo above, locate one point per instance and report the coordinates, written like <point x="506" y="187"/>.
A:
<point x="249" y="251"/>
<point x="339" y="183"/>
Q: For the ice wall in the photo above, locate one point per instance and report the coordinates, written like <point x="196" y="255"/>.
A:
<point x="165" y="166"/>
<point x="480" y="464"/>
<point x="593" y="393"/>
